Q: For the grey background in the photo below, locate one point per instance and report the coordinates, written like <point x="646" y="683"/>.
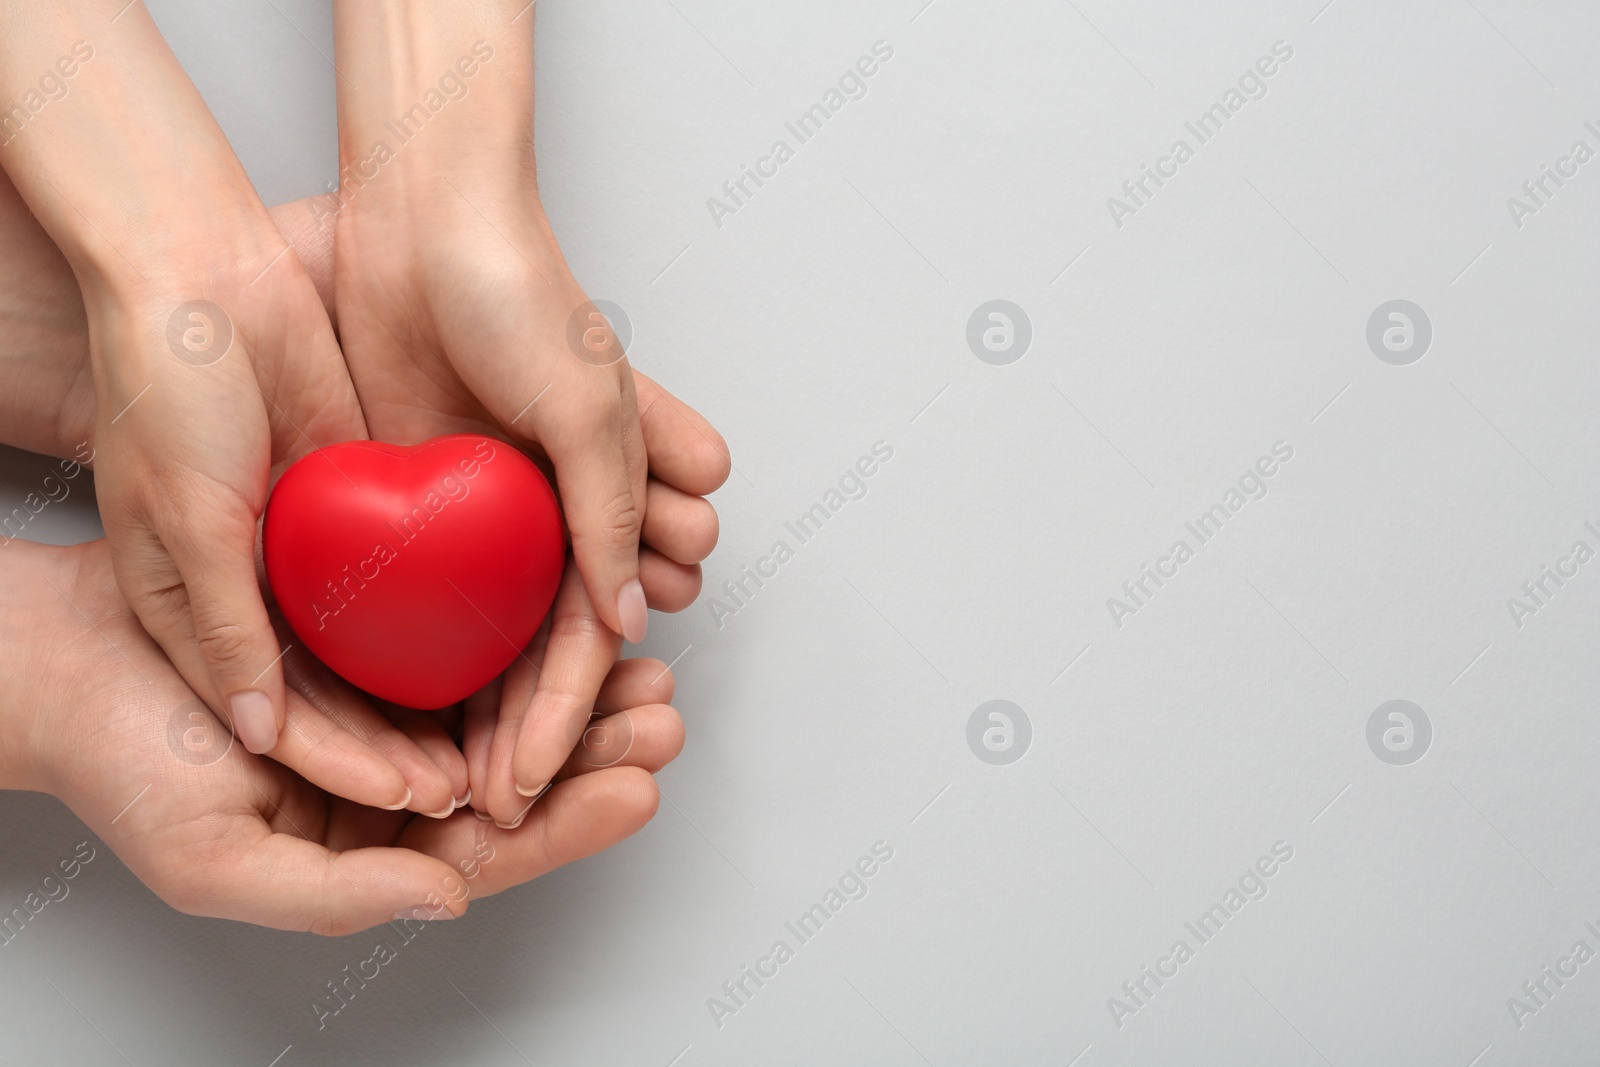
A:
<point x="831" y="711"/>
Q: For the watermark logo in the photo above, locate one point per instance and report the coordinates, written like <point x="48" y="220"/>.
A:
<point x="51" y="87"/>
<point x="599" y="332"/>
<point x="1399" y="732"/>
<point x="1399" y="332"/>
<point x="999" y="732"/>
<point x="1138" y="191"/>
<point x="1253" y="484"/>
<point x="199" y="332"/>
<point x="607" y="739"/>
<point x="196" y="736"/>
<point x="52" y="490"/>
<point x="343" y="988"/>
<point x="1250" y="887"/>
<point x="1541" y="589"/>
<point x="1538" y="191"/>
<point x="358" y="171"/>
<point x="738" y="191"/>
<point x="850" y="887"/>
<point x="51" y="890"/>
<point x="739" y="591"/>
<point x="1538" y="991"/>
<point x="999" y="332"/>
<point x="343" y="588"/>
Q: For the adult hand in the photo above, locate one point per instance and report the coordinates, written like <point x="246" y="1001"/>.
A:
<point x="456" y="308"/>
<point x="47" y="396"/>
<point x="86" y="714"/>
<point x="43" y="351"/>
<point x="213" y="361"/>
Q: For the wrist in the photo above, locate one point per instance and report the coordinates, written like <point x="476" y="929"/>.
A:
<point x="47" y="395"/>
<point x="174" y="252"/>
<point x="123" y="197"/>
<point x="150" y="331"/>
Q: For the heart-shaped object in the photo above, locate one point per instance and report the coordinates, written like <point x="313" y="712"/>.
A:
<point x="418" y="574"/>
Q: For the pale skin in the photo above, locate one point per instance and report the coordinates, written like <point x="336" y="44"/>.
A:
<point x="456" y="311"/>
<point x="85" y="715"/>
<point x="47" y="405"/>
<point x="454" y="299"/>
<point x="151" y="216"/>
<point x="443" y="329"/>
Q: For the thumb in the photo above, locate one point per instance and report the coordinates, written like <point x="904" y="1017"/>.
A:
<point x="604" y="513"/>
<point x="238" y="652"/>
<point x="290" y="883"/>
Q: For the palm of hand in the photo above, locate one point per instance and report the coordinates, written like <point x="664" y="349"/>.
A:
<point x="241" y="836"/>
<point x="449" y="344"/>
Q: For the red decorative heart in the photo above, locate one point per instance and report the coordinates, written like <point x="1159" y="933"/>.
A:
<point x="418" y="574"/>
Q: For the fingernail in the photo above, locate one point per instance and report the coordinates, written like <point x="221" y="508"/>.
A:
<point x="535" y="793"/>
<point x="397" y="807"/>
<point x="483" y="816"/>
<point x="633" y="612"/>
<point x="444" y="813"/>
<point x="253" y="720"/>
<point x="464" y="801"/>
<point x="515" y="822"/>
<point x="424" y="913"/>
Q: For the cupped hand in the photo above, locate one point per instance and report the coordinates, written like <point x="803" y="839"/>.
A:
<point x="88" y="713"/>
<point x="44" y="352"/>
<point x="461" y="310"/>
<point x="213" y="361"/>
<point x="47" y="396"/>
<point x="455" y="303"/>
<point x="207" y="388"/>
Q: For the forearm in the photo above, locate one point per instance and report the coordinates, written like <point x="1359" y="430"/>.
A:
<point x="115" y="151"/>
<point x="434" y="94"/>
<point x="47" y="401"/>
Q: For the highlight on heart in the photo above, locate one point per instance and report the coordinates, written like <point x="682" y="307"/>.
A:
<point x="406" y="528"/>
<point x="417" y="574"/>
